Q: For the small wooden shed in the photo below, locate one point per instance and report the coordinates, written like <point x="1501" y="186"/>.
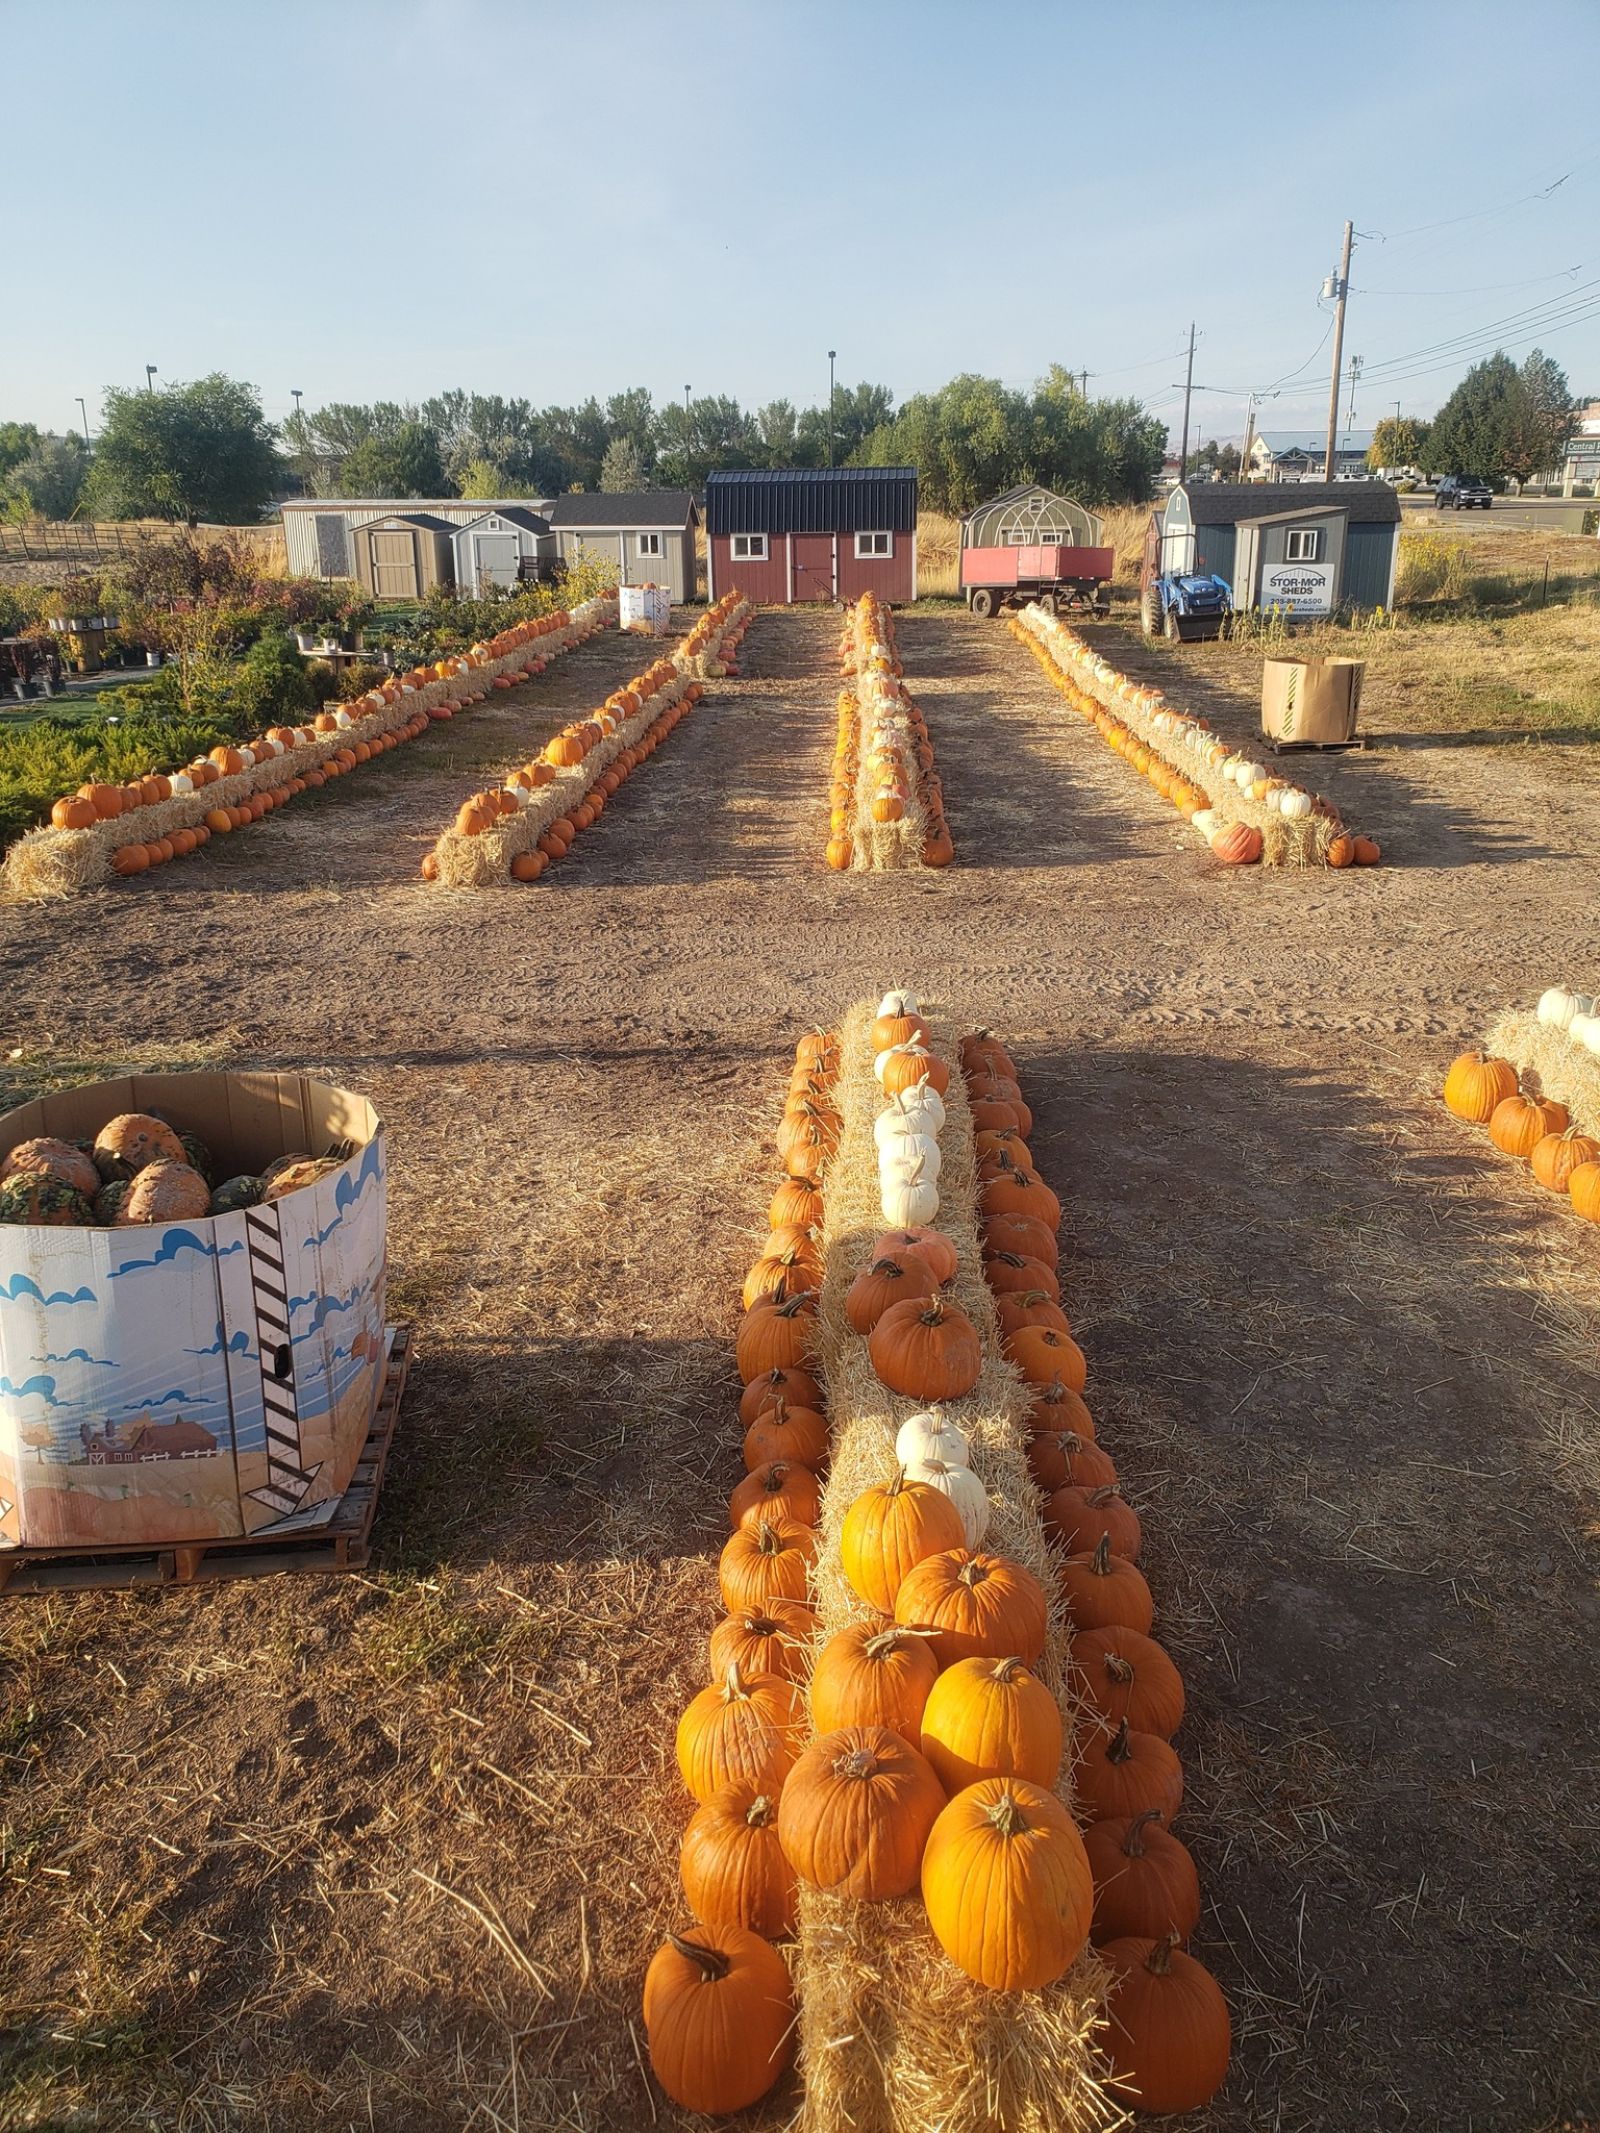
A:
<point x="403" y="556"/>
<point x="1030" y="517"/>
<point x="786" y="535"/>
<point x="648" y="534"/>
<point x="492" y="549"/>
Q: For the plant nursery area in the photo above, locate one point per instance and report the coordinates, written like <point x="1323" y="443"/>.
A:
<point x="831" y="1372"/>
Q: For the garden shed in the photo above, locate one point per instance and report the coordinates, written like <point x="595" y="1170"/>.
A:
<point x="647" y="533"/>
<point x="319" y="531"/>
<point x="795" y="534"/>
<point x="1336" y="547"/>
<point x="403" y="556"/>
<point x="1030" y="517"/>
<point x="494" y="548"/>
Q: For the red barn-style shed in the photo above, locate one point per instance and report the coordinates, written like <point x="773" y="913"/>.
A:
<point x="795" y="534"/>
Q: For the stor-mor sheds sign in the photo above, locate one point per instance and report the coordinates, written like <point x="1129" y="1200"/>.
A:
<point x="1298" y="588"/>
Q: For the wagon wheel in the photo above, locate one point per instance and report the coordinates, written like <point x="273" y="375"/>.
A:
<point x="1047" y="600"/>
<point x="983" y="601"/>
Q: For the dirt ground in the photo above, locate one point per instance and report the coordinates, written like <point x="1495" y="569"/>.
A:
<point x="391" y="1851"/>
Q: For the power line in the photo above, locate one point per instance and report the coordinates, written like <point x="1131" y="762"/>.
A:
<point x="1533" y="318"/>
<point x="1484" y="288"/>
<point x="1499" y="345"/>
<point x="1503" y="207"/>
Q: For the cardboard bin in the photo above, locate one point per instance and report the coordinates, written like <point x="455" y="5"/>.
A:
<point x="204" y="1380"/>
<point x="1311" y="703"/>
<point x="646" y="610"/>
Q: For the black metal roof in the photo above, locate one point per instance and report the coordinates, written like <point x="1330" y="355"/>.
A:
<point x="617" y="510"/>
<point x="409" y="518"/>
<point x="516" y="513"/>
<point x="813" y="500"/>
<point x="1229" y="503"/>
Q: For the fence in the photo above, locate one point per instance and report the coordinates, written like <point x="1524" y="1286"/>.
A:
<point x="97" y="541"/>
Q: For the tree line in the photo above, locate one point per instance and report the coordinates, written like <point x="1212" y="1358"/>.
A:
<point x="1505" y="421"/>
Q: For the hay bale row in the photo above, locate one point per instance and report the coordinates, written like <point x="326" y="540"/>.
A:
<point x="1549" y="1063"/>
<point x="1232" y="786"/>
<point x="887" y="803"/>
<point x="893" y="2037"/>
<point x="50" y="863"/>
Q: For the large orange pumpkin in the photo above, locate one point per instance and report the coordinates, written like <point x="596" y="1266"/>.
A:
<point x="888" y="1530"/>
<point x="1145" y="1882"/>
<point x="787" y="1382"/>
<point x="927" y="1349"/>
<point x="991" y="1718"/>
<point x="1105" y="1591"/>
<point x="1557" y="1155"/>
<point x="1475" y="1084"/>
<point x="780" y="1489"/>
<point x="887" y="1281"/>
<point x="1079" y="1517"/>
<point x="783" y="1432"/>
<point x="1168" y="2035"/>
<point x="1125" y="1773"/>
<point x="732" y="1865"/>
<point x="776" y="1335"/>
<point x="743" y="1728"/>
<point x="979" y="1606"/>
<point x="1125" y="1674"/>
<point x="1518" y="1123"/>
<point x="767" y="1561"/>
<point x="771" y="1637"/>
<point x="856" y="1811"/>
<point x="1007" y="1886"/>
<point x="719" y="2018"/>
<point x="871" y="1676"/>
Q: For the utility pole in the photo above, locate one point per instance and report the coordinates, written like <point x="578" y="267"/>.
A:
<point x="832" y="352"/>
<point x="84" y="412"/>
<point x="1083" y="385"/>
<point x="1350" y="411"/>
<point x="1249" y="438"/>
<point x="1340" y="291"/>
<point x="1188" y="389"/>
<point x="149" y="377"/>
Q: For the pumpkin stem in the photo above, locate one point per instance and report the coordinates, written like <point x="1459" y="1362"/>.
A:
<point x="1007" y="1817"/>
<point x="1007" y="1259"/>
<point x="889" y="1269"/>
<point x="1104" y="1494"/>
<point x="1159" y="1960"/>
<point x="972" y="1572"/>
<point x="1119" y="1668"/>
<point x="1008" y="1669"/>
<point x="714" y="1965"/>
<point x="733" y="1688"/>
<point x="859" y="1763"/>
<point x="1121" y="1748"/>
<point x="1100" y="1561"/>
<point x="759" y="1813"/>
<point x="1133" y="1843"/>
<point x="769" y="1540"/>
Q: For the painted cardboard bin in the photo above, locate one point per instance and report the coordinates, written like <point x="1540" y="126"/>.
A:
<point x="644" y="609"/>
<point x="1311" y="703"/>
<point x="195" y="1380"/>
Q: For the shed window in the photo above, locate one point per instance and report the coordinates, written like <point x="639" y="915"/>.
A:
<point x="748" y="547"/>
<point x="1302" y="544"/>
<point x="870" y="544"/>
<point x="1049" y="538"/>
<point x="650" y="544"/>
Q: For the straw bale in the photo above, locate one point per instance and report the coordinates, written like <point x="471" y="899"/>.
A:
<point x="894" y="2039"/>
<point x="1549" y="1064"/>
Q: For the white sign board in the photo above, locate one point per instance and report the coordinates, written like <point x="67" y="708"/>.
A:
<point x="1298" y="588"/>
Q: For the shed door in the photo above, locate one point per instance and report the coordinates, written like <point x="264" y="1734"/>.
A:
<point x="813" y="566"/>
<point x="497" y="556"/>
<point x="394" y="566"/>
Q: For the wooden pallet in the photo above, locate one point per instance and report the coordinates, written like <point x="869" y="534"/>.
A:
<point x="343" y="1543"/>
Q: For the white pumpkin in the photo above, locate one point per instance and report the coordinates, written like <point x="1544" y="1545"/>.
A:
<point x="1559" y="1008"/>
<point x="908" y="1202"/>
<point x="1294" y="804"/>
<point x="913" y="1155"/>
<point x="898" y="1003"/>
<point x="1585" y="1030"/>
<point x="965" y="1491"/>
<point x="181" y="783"/>
<point x="930" y="1434"/>
<point x="919" y="1109"/>
<point x="1207" y="821"/>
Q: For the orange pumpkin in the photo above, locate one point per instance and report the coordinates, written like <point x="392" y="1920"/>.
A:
<point x="855" y="1813"/>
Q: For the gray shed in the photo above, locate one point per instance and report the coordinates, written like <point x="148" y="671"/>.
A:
<point x="403" y="556"/>
<point x="1030" y="517"/>
<point x="648" y="534"/>
<point x="492" y="549"/>
<point x="1309" y="550"/>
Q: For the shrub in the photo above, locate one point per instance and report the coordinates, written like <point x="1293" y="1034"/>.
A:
<point x="1429" y="569"/>
<point x="271" y="685"/>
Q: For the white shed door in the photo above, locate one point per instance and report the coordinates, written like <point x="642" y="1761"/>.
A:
<point x="497" y="558"/>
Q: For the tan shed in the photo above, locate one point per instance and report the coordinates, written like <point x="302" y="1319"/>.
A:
<point x="403" y="556"/>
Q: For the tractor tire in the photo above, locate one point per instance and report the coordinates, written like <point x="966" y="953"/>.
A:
<point x="1173" y="627"/>
<point x="982" y="601"/>
<point x="1047" y="600"/>
<point x="1150" y="613"/>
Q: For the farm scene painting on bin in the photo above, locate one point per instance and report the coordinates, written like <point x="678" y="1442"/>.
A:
<point x="204" y="1378"/>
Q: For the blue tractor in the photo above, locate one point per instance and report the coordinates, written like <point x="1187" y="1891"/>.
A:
<point x="1185" y="607"/>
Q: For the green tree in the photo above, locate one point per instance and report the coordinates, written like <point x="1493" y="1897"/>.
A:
<point x="404" y="462"/>
<point x="1544" y="415"/>
<point x="1488" y="425"/>
<point x="775" y="429"/>
<point x="858" y="410"/>
<point x="48" y="481"/>
<point x="17" y="440"/>
<point x="1398" y="441"/>
<point x="200" y="451"/>
<point x="622" y="469"/>
<point x="482" y="480"/>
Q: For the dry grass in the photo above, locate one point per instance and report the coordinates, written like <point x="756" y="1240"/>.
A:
<point x="939" y="549"/>
<point x="894" y="2039"/>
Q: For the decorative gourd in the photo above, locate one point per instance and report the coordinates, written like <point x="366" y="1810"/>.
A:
<point x="198" y="1156"/>
<point x="780" y="1489"/>
<point x="108" y="1202"/>
<point x="1125" y="1773"/>
<point x="1126" y="1675"/>
<point x="931" y="1435"/>
<point x="1007" y="1886"/>
<point x="888" y="1530"/>
<point x="1167" y="2034"/>
<point x="1557" y="1007"/>
<point x="165" y="1192"/>
<point x="1145" y="1883"/>
<point x="29" y="1197"/>
<point x="1519" y="1123"/>
<point x="57" y="1160"/>
<point x="926" y="1350"/>
<point x="1078" y="1517"/>
<point x="789" y="1383"/>
<point x="718" y="2017"/>
<point x="1106" y="1591"/>
<point x="979" y="1606"/>
<point x="732" y="1865"/>
<point x="236" y="1193"/>
<point x="924" y="1243"/>
<point x="768" y="1561"/>
<point x="965" y="1491"/>
<point x="775" y="1335"/>
<point x="909" y="1195"/>
<point x="870" y="1676"/>
<point x="781" y="1432"/>
<point x="295" y="1177"/>
<point x="1475" y="1084"/>
<point x="856" y="1811"/>
<point x="991" y="1718"/>
<point x="887" y="1281"/>
<point x="1557" y="1155"/>
<point x="125" y="1144"/>
<point x="919" y="1109"/>
<point x="743" y="1729"/>
<point x="772" y="1638"/>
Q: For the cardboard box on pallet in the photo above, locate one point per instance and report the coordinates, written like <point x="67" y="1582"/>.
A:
<point x="1311" y="703"/>
<point x="195" y="1380"/>
<point x="646" y="610"/>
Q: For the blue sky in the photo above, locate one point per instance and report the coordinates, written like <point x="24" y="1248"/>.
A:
<point x="381" y="198"/>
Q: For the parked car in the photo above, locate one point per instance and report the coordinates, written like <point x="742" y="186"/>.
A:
<point x="1463" y="492"/>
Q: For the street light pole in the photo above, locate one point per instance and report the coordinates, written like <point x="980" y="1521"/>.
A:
<point x="84" y="412"/>
<point x="149" y="377"/>
<point x="831" y="354"/>
<point x="295" y="390"/>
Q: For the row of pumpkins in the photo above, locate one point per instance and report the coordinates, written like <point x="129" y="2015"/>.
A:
<point x="138" y="1169"/>
<point x="1156" y="758"/>
<point x="882" y="752"/>
<point x="717" y="635"/>
<point x="1528" y="1124"/>
<point x="94" y="804"/>
<point x="937" y="1746"/>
